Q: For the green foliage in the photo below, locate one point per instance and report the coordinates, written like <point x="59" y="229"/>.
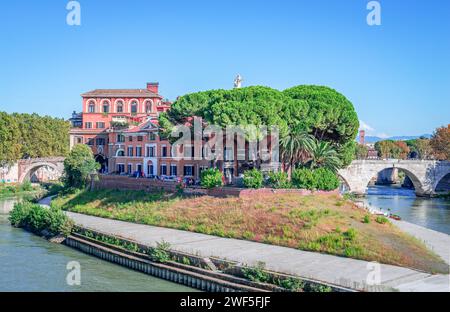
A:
<point x="38" y="218"/>
<point x="319" y="179"/>
<point x="366" y="219"/>
<point x="257" y="273"/>
<point x="323" y="155"/>
<point x="78" y="166"/>
<point x="361" y="152"/>
<point x="381" y="220"/>
<point x="392" y="149"/>
<point x="253" y="179"/>
<point x="293" y="284"/>
<point x="160" y="253"/>
<point x="32" y="136"/>
<point x="319" y="111"/>
<point x="18" y="189"/>
<point x="211" y="178"/>
<point x="295" y="147"/>
<point x="279" y="180"/>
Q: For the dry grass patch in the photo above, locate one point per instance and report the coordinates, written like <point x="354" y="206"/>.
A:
<point x="320" y="223"/>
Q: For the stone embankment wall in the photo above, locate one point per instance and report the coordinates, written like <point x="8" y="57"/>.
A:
<point x="140" y="184"/>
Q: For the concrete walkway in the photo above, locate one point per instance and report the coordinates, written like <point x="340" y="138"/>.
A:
<point x="331" y="269"/>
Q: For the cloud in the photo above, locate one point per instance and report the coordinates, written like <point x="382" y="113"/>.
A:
<point x="365" y="126"/>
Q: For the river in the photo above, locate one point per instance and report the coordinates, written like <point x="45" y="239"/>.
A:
<point x="431" y="213"/>
<point x="31" y="263"/>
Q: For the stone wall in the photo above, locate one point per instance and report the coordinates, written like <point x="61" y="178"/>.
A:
<point x="140" y="184"/>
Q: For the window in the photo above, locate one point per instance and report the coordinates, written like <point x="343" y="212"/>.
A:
<point x="130" y="151"/>
<point x="90" y="142"/>
<point x="164" y="151"/>
<point x="130" y="168"/>
<point x="88" y="125"/>
<point x="105" y="107"/>
<point x="79" y="140"/>
<point x="100" y="125"/>
<point x="138" y="151"/>
<point x="100" y="141"/>
<point x="120" y="168"/>
<point x="120" y="138"/>
<point x="119" y="107"/>
<point x="120" y="153"/>
<point x="150" y="169"/>
<point x="189" y="170"/>
<point x="152" y="136"/>
<point x="130" y="139"/>
<point x="148" y="107"/>
<point x="140" y="138"/>
<point x="163" y="169"/>
<point x="134" y="107"/>
<point x="91" y="107"/>
<point x="173" y="170"/>
<point x="139" y="168"/>
<point x="150" y="151"/>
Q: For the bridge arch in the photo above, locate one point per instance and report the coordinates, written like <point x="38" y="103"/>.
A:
<point x="442" y="183"/>
<point x="30" y="170"/>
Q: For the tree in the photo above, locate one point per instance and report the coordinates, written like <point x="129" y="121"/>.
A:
<point x="424" y="148"/>
<point x="9" y="141"/>
<point x="295" y="148"/>
<point x="79" y="166"/>
<point x="361" y="151"/>
<point x="326" y="114"/>
<point x="323" y="155"/>
<point x="318" y="111"/>
<point x="440" y="143"/>
<point x="211" y="178"/>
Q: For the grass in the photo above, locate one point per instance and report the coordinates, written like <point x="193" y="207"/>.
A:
<point x="9" y="190"/>
<point x="321" y="223"/>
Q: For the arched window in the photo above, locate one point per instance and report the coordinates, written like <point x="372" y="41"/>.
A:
<point x="148" y="107"/>
<point x="119" y="107"/>
<point x="120" y="153"/>
<point x="105" y="107"/>
<point x="91" y="107"/>
<point x="134" y="107"/>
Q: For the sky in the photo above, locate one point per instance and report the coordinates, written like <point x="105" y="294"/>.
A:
<point x="396" y="74"/>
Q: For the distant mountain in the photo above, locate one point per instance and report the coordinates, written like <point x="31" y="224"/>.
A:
<point x="374" y="139"/>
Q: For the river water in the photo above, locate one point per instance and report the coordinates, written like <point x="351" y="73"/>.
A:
<point x="30" y="263"/>
<point x="430" y="213"/>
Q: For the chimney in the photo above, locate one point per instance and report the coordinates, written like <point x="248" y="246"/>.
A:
<point x="362" y="137"/>
<point x="153" y="87"/>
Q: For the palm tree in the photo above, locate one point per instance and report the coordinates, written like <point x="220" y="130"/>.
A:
<point x="322" y="154"/>
<point x="295" y="148"/>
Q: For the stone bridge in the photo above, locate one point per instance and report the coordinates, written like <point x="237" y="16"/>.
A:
<point x="27" y="167"/>
<point x="424" y="174"/>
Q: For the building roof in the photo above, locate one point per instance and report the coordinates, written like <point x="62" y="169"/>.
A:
<point x="120" y="93"/>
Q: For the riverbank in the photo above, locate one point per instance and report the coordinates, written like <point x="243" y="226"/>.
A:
<point x="344" y="272"/>
<point x="319" y="223"/>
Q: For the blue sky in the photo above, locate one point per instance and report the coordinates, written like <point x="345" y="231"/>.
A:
<point x="397" y="75"/>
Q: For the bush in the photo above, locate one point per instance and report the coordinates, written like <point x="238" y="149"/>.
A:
<point x="257" y="273"/>
<point x="253" y="179"/>
<point x="161" y="252"/>
<point x="78" y="166"/>
<point x="318" y="179"/>
<point x="38" y="218"/>
<point x="279" y="180"/>
<point x="211" y="178"/>
<point x="26" y="186"/>
<point x="381" y="220"/>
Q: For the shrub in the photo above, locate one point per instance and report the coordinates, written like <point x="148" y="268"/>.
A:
<point x="257" y="273"/>
<point x="366" y="219"/>
<point x="381" y="220"/>
<point x="160" y="253"/>
<point x="279" y="180"/>
<point x="253" y="179"/>
<point x="293" y="284"/>
<point x="26" y="186"/>
<point x="318" y="179"/>
<point x="211" y="178"/>
<point x="38" y="218"/>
